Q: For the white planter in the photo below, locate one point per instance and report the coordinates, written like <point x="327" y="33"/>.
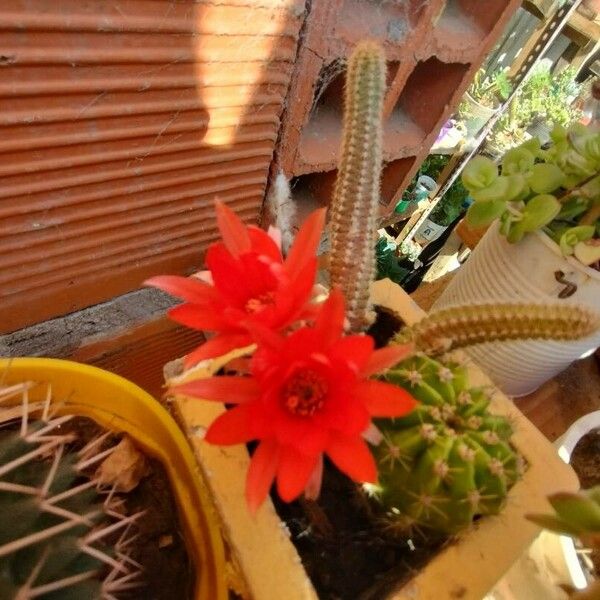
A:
<point x="478" y="118"/>
<point x="498" y="271"/>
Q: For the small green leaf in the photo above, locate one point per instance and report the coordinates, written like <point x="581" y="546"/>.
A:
<point x="517" y="160"/>
<point x="545" y="178"/>
<point x="479" y="173"/>
<point x="497" y="190"/>
<point x="539" y="211"/>
<point x="481" y="214"/>
<point x="572" y="209"/>
<point x="572" y="236"/>
<point x="516" y="232"/>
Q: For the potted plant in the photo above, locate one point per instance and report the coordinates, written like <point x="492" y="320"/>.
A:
<point x="308" y="394"/>
<point x="543" y="246"/>
<point x="545" y="99"/>
<point x="81" y="442"/>
<point x="482" y="100"/>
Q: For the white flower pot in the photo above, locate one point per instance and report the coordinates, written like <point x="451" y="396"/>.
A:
<point x="479" y="115"/>
<point x="525" y="272"/>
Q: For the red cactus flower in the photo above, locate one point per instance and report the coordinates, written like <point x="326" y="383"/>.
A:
<point x="309" y="395"/>
<point x="247" y="282"/>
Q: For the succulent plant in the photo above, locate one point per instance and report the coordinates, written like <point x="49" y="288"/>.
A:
<point x="354" y="209"/>
<point x="555" y="189"/>
<point x="457" y="327"/>
<point x="55" y="524"/>
<point x="450" y="459"/>
<point x="576" y="515"/>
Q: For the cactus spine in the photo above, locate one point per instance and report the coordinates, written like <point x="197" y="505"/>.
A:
<point x="462" y="326"/>
<point x="449" y="460"/>
<point x="355" y="203"/>
<point x="54" y="522"/>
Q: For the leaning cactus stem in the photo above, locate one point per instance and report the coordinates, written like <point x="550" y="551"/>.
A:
<point x="354" y="209"/>
<point x="458" y="327"/>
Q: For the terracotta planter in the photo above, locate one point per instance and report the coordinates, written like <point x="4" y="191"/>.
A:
<point x="265" y="556"/>
<point x="121" y="406"/>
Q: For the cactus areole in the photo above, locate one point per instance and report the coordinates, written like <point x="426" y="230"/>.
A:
<point x="449" y="460"/>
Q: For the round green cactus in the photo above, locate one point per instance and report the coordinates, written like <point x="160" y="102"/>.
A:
<point x="449" y="460"/>
<point x="60" y="537"/>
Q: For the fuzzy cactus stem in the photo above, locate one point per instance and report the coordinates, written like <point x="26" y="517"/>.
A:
<point x="355" y="204"/>
<point x="459" y="327"/>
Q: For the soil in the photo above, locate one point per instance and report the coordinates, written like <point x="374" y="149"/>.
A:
<point x="585" y="459"/>
<point x="160" y="548"/>
<point x="344" y="538"/>
<point x="346" y="544"/>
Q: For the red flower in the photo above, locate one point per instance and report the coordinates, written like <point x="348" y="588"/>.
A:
<point x="308" y="395"/>
<point x="248" y="282"/>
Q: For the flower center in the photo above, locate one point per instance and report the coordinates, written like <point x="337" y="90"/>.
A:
<point x="304" y="393"/>
<point x="255" y="305"/>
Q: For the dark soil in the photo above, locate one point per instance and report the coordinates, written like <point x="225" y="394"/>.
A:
<point x="346" y="544"/>
<point x="344" y="538"/>
<point x="585" y="459"/>
<point x="159" y="547"/>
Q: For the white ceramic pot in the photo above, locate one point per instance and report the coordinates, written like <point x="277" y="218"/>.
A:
<point x="498" y="271"/>
<point x="566" y="444"/>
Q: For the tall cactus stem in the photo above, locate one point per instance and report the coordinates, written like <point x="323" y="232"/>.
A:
<point x="355" y="203"/>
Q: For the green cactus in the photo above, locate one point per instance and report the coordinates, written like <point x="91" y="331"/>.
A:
<point x="55" y="524"/>
<point x="449" y="460"/>
<point x="461" y="326"/>
<point x="354" y="209"/>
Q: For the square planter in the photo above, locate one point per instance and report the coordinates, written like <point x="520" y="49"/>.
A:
<point x="264" y="561"/>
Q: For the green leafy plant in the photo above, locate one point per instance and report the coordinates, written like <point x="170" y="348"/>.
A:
<point x="57" y="533"/>
<point x="556" y="189"/>
<point x="450" y="459"/>
<point x="544" y="97"/>
<point x="488" y="91"/>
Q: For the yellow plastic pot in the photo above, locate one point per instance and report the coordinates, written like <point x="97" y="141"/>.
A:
<point x="119" y="405"/>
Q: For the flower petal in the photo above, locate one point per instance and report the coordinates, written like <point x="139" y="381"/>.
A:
<point x="261" y="473"/>
<point x="232" y="427"/>
<point x="313" y="487"/>
<point x="233" y="231"/>
<point x="354" y="350"/>
<point x="197" y="317"/>
<point x="224" y="388"/>
<point x="294" y="472"/>
<point x="217" y="346"/>
<point x="386" y="357"/>
<point x="384" y="399"/>
<point x="330" y="321"/>
<point x="264" y="243"/>
<point x="306" y="242"/>
<point x="292" y="297"/>
<point x="352" y="456"/>
<point x="187" y="288"/>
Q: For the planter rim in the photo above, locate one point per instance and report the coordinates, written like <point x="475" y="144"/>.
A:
<point x="566" y="444"/>
<point x="119" y="405"/>
<point x="554" y="247"/>
<point x="471" y="99"/>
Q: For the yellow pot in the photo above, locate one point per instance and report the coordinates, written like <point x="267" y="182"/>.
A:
<point x="119" y="405"/>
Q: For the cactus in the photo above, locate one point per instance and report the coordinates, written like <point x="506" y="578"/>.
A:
<point x="462" y="326"/>
<point x="354" y="208"/>
<point x="449" y="460"/>
<point x="55" y="524"/>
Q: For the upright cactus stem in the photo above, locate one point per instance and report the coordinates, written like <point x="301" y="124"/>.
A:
<point x="355" y="203"/>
